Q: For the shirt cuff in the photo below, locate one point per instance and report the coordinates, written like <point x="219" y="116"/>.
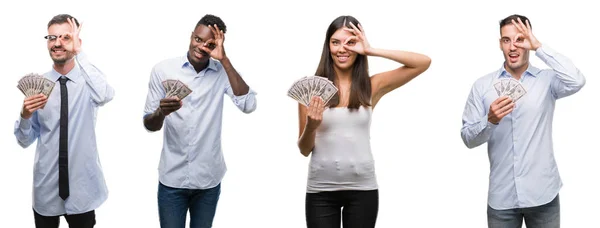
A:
<point x="24" y="124"/>
<point x="250" y="91"/>
<point x="489" y="125"/>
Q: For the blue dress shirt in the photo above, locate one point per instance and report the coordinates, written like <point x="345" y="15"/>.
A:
<point x="87" y="89"/>
<point x="523" y="172"/>
<point x="191" y="156"/>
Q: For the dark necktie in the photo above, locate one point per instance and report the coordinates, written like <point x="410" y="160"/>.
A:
<point x="63" y="156"/>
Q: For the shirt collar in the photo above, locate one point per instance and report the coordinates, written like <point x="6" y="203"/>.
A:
<point x="73" y="75"/>
<point x="531" y="71"/>
<point x="185" y="62"/>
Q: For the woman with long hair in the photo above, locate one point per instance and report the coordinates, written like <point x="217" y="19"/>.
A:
<point x="337" y="134"/>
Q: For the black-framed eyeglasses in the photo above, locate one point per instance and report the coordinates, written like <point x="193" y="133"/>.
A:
<point x="53" y="38"/>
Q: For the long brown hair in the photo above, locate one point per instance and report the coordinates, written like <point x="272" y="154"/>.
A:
<point x="360" y="89"/>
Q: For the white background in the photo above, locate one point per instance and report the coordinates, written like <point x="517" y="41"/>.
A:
<point x="427" y="177"/>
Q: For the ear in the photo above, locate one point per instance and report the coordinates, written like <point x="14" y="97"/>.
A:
<point x="500" y="44"/>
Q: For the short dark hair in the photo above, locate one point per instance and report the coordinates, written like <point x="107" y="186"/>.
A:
<point x="61" y="18"/>
<point x="210" y="19"/>
<point x="508" y="20"/>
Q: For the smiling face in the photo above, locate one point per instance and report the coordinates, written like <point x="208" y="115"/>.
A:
<point x="343" y="59"/>
<point x="57" y="41"/>
<point x="200" y="35"/>
<point x="516" y="59"/>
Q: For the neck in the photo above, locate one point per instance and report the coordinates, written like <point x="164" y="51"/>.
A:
<point x="198" y="66"/>
<point x="343" y="76"/>
<point x="516" y="73"/>
<point x="64" y="68"/>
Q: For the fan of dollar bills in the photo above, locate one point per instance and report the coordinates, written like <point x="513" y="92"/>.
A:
<point x="307" y="87"/>
<point x="176" y="88"/>
<point x="510" y="87"/>
<point x="34" y="84"/>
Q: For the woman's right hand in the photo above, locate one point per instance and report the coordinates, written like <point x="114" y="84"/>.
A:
<point x="315" y="113"/>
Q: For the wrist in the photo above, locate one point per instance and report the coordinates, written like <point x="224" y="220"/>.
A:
<point x="370" y="51"/>
<point x="25" y="117"/>
<point x="536" y="46"/>
<point x="224" y="60"/>
<point x="159" y="112"/>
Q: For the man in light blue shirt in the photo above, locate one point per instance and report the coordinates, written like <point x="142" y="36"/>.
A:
<point x="68" y="178"/>
<point x="192" y="166"/>
<point x="524" y="179"/>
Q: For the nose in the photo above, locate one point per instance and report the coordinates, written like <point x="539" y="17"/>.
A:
<point x="512" y="46"/>
<point x="57" y="42"/>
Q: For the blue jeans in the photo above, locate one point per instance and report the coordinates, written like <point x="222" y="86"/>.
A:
<point x="173" y="205"/>
<point x="544" y="216"/>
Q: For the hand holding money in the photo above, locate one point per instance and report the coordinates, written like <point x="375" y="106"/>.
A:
<point x="510" y="87"/>
<point x="34" y="84"/>
<point x="314" y="114"/>
<point x="33" y="103"/>
<point x="305" y="88"/>
<point x="500" y="108"/>
<point x="176" y="88"/>
<point x="169" y="105"/>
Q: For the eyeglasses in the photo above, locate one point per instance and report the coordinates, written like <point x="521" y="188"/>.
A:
<point x="52" y="38"/>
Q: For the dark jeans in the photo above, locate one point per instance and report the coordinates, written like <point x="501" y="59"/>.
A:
<point x="85" y="220"/>
<point x="355" y="209"/>
<point x="173" y="204"/>
<point x="544" y="216"/>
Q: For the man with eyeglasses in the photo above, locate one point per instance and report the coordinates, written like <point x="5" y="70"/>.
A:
<point x="192" y="165"/>
<point x="68" y="179"/>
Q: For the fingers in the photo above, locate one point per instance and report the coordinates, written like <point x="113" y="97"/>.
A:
<point x="169" y="105"/>
<point x="71" y="24"/>
<point x="316" y="107"/>
<point x="504" y="108"/>
<point x="528" y="25"/>
<point x="216" y="31"/>
<point x="206" y="49"/>
<point x="34" y="99"/>
<point x="500" y="99"/>
<point x="505" y="112"/>
<point x="213" y="30"/>
<point x="211" y="44"/>
<point x="33" y="103"/>
<point x="170" y="102"/>
<point x="349" y="39"/>
<point x="361" y="29"/>
<point x="517" y="25"/>
<point x="169" y="99"/>
<point x="520" y="26"/>
<point x="35" y="106"/>
<point x="503" y="102"/>
<point x="356" y="30"/>
<point x="320" y="107"/>
<point x="312" y="106"/>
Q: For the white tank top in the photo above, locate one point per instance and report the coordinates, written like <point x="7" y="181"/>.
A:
<point x="341" y="158"/>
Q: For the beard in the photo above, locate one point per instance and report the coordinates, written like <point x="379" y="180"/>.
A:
<point x="61" y="60"/>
